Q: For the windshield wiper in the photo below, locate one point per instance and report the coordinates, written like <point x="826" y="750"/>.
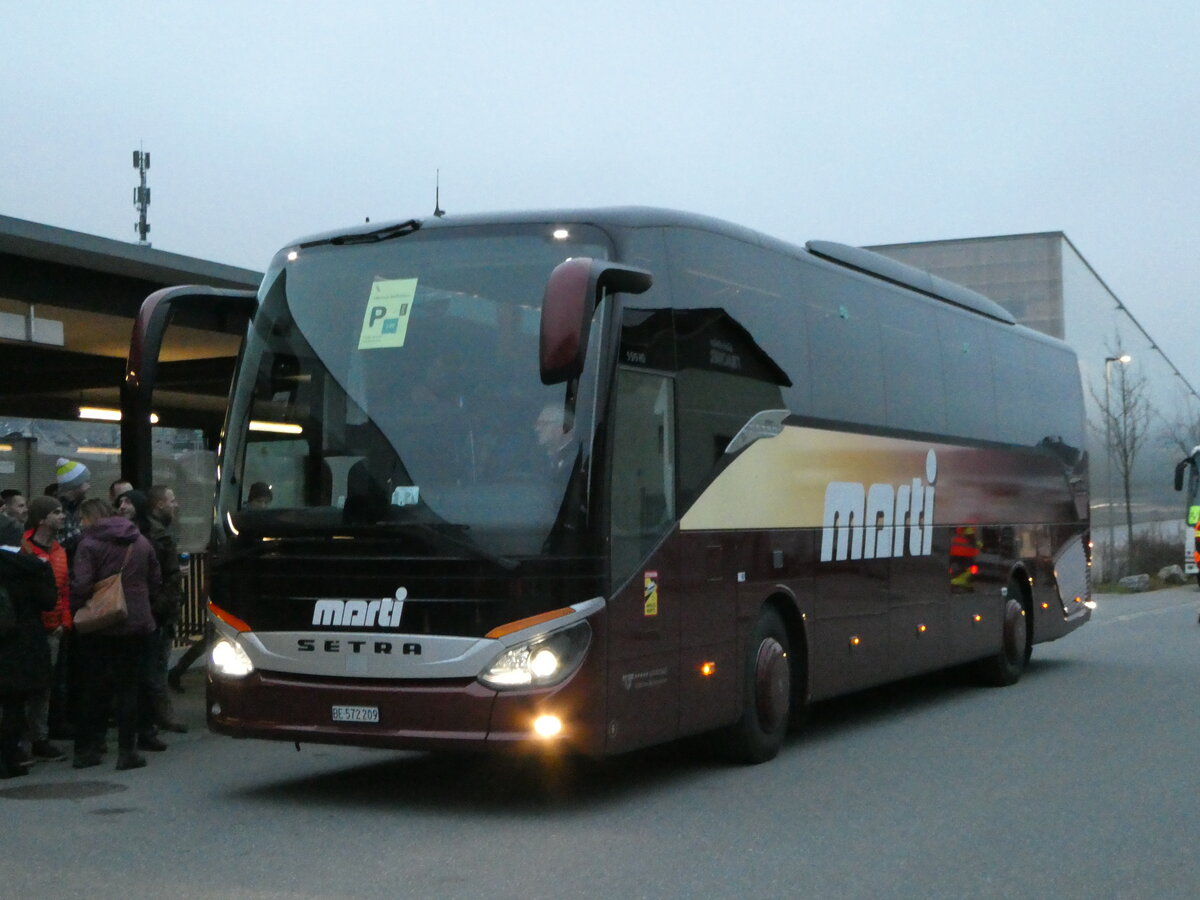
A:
<point x="372" y="237"/>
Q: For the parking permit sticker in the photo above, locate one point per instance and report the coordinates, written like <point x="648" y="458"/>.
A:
<point x="385" y="323"/>
<point x="406" y="496"/>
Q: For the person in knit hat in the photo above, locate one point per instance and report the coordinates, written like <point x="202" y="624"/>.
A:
<point x="72" y="480"/>
<point x="71" y="475"/>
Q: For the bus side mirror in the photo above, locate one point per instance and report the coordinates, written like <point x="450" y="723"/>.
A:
<point x="1179" y="474"/>
<point x="567" y="308"/>
<point x="141" y="366"/>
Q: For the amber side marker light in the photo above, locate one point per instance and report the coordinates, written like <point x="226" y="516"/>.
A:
<point x="708" y="668"/>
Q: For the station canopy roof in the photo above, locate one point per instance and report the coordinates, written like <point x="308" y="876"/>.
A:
<point x="67" y="305"/>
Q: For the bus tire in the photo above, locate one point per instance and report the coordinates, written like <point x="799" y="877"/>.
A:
<point x="1007" y="666"/>
<point x="766" y="693"/>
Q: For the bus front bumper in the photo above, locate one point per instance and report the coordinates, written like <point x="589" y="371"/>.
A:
<point x="407" y="715"/>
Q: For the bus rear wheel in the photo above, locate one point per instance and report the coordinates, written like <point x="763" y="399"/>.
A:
<point x="766" y="693"/>
<point x="1007" y="666"/>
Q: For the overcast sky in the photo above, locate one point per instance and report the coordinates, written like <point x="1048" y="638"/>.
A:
<point x="859" y="121"/>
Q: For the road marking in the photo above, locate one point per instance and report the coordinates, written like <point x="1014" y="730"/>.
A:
<point x="1127" y="617"/>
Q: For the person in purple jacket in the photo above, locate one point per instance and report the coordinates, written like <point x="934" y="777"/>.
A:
<point x="112" y="658"/>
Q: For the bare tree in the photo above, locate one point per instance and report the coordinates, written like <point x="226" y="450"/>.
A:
<point x="1182" y="432"/>
<point x="1126" y="414"/>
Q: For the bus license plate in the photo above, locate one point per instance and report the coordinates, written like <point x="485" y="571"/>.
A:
<point x="356" y="714"/>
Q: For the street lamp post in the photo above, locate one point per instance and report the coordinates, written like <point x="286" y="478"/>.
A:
<point x="1124" y="359"/>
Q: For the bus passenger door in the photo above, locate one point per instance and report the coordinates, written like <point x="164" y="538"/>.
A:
<point x="643" y="616"/>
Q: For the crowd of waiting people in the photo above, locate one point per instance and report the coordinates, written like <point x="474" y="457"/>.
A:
<point x="57" y="684"/>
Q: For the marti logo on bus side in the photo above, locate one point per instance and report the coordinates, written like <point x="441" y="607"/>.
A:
<point x="864" y="522"/>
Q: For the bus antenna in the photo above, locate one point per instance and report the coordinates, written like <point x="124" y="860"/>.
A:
<point x="438" y="212"/>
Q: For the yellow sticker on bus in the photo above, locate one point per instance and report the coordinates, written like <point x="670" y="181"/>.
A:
<point x="651" y="594"/>
<point x="385" y="323"/>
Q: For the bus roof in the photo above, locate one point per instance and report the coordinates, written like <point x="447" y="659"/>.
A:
<point x="855" y="258"/>
<point x="616" y="216"/>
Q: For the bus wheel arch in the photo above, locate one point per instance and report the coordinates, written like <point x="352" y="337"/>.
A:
<point x="1020" y="582"/>
<point x="797" y="627"/>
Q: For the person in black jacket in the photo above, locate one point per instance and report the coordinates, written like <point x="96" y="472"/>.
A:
<point x="13" y="510"/>
<point x="153" y="514"/>
<point x="28" y="585"/>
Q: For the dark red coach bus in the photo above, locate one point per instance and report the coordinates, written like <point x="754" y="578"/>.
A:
<point x="596" y="480"/>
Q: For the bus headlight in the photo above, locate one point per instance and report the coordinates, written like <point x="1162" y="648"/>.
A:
<point x="540" y="662"/>
<point x="230" y="659"/>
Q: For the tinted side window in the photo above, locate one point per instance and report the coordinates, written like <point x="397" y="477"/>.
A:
<point x="741" y="343"/>
<point x="1056" y="391"/>
<point x="912" y="365"/>
<point x="846" y="364"/>
<point x="643" y="467"/>
<point x="1013" y="362"/>
<point x="965" y="343"/>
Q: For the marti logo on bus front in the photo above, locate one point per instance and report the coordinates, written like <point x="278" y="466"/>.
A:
<point x="871" y="522"/>
<point x="383" y="613"/>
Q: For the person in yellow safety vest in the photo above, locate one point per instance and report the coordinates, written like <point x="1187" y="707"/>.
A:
<point x="1194" y="515"/>
<point x="1194" y="519"/>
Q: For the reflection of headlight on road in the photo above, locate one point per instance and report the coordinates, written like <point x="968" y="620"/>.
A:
<point x="540" y="662"/>
<point x="230" y="659"/>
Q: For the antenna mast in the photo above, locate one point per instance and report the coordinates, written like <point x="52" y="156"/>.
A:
<point x="438" y="212"/>
<point x="141" y="196"/>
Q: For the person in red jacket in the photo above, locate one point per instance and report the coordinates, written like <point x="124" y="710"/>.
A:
<point x="45" y="518"/>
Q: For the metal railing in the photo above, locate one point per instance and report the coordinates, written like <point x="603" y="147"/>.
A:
<point x="195" y="598"/>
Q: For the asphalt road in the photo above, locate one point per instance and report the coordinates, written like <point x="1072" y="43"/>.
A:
<point x="1080" y="781"/>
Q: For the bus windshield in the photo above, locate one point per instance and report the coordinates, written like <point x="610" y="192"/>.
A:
<point x="394" y="386"/>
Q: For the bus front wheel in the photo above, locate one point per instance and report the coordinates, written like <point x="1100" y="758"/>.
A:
<point x="766" y="693"/>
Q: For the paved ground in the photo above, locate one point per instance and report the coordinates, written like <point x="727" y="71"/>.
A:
<point x="1081" y="781"/>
